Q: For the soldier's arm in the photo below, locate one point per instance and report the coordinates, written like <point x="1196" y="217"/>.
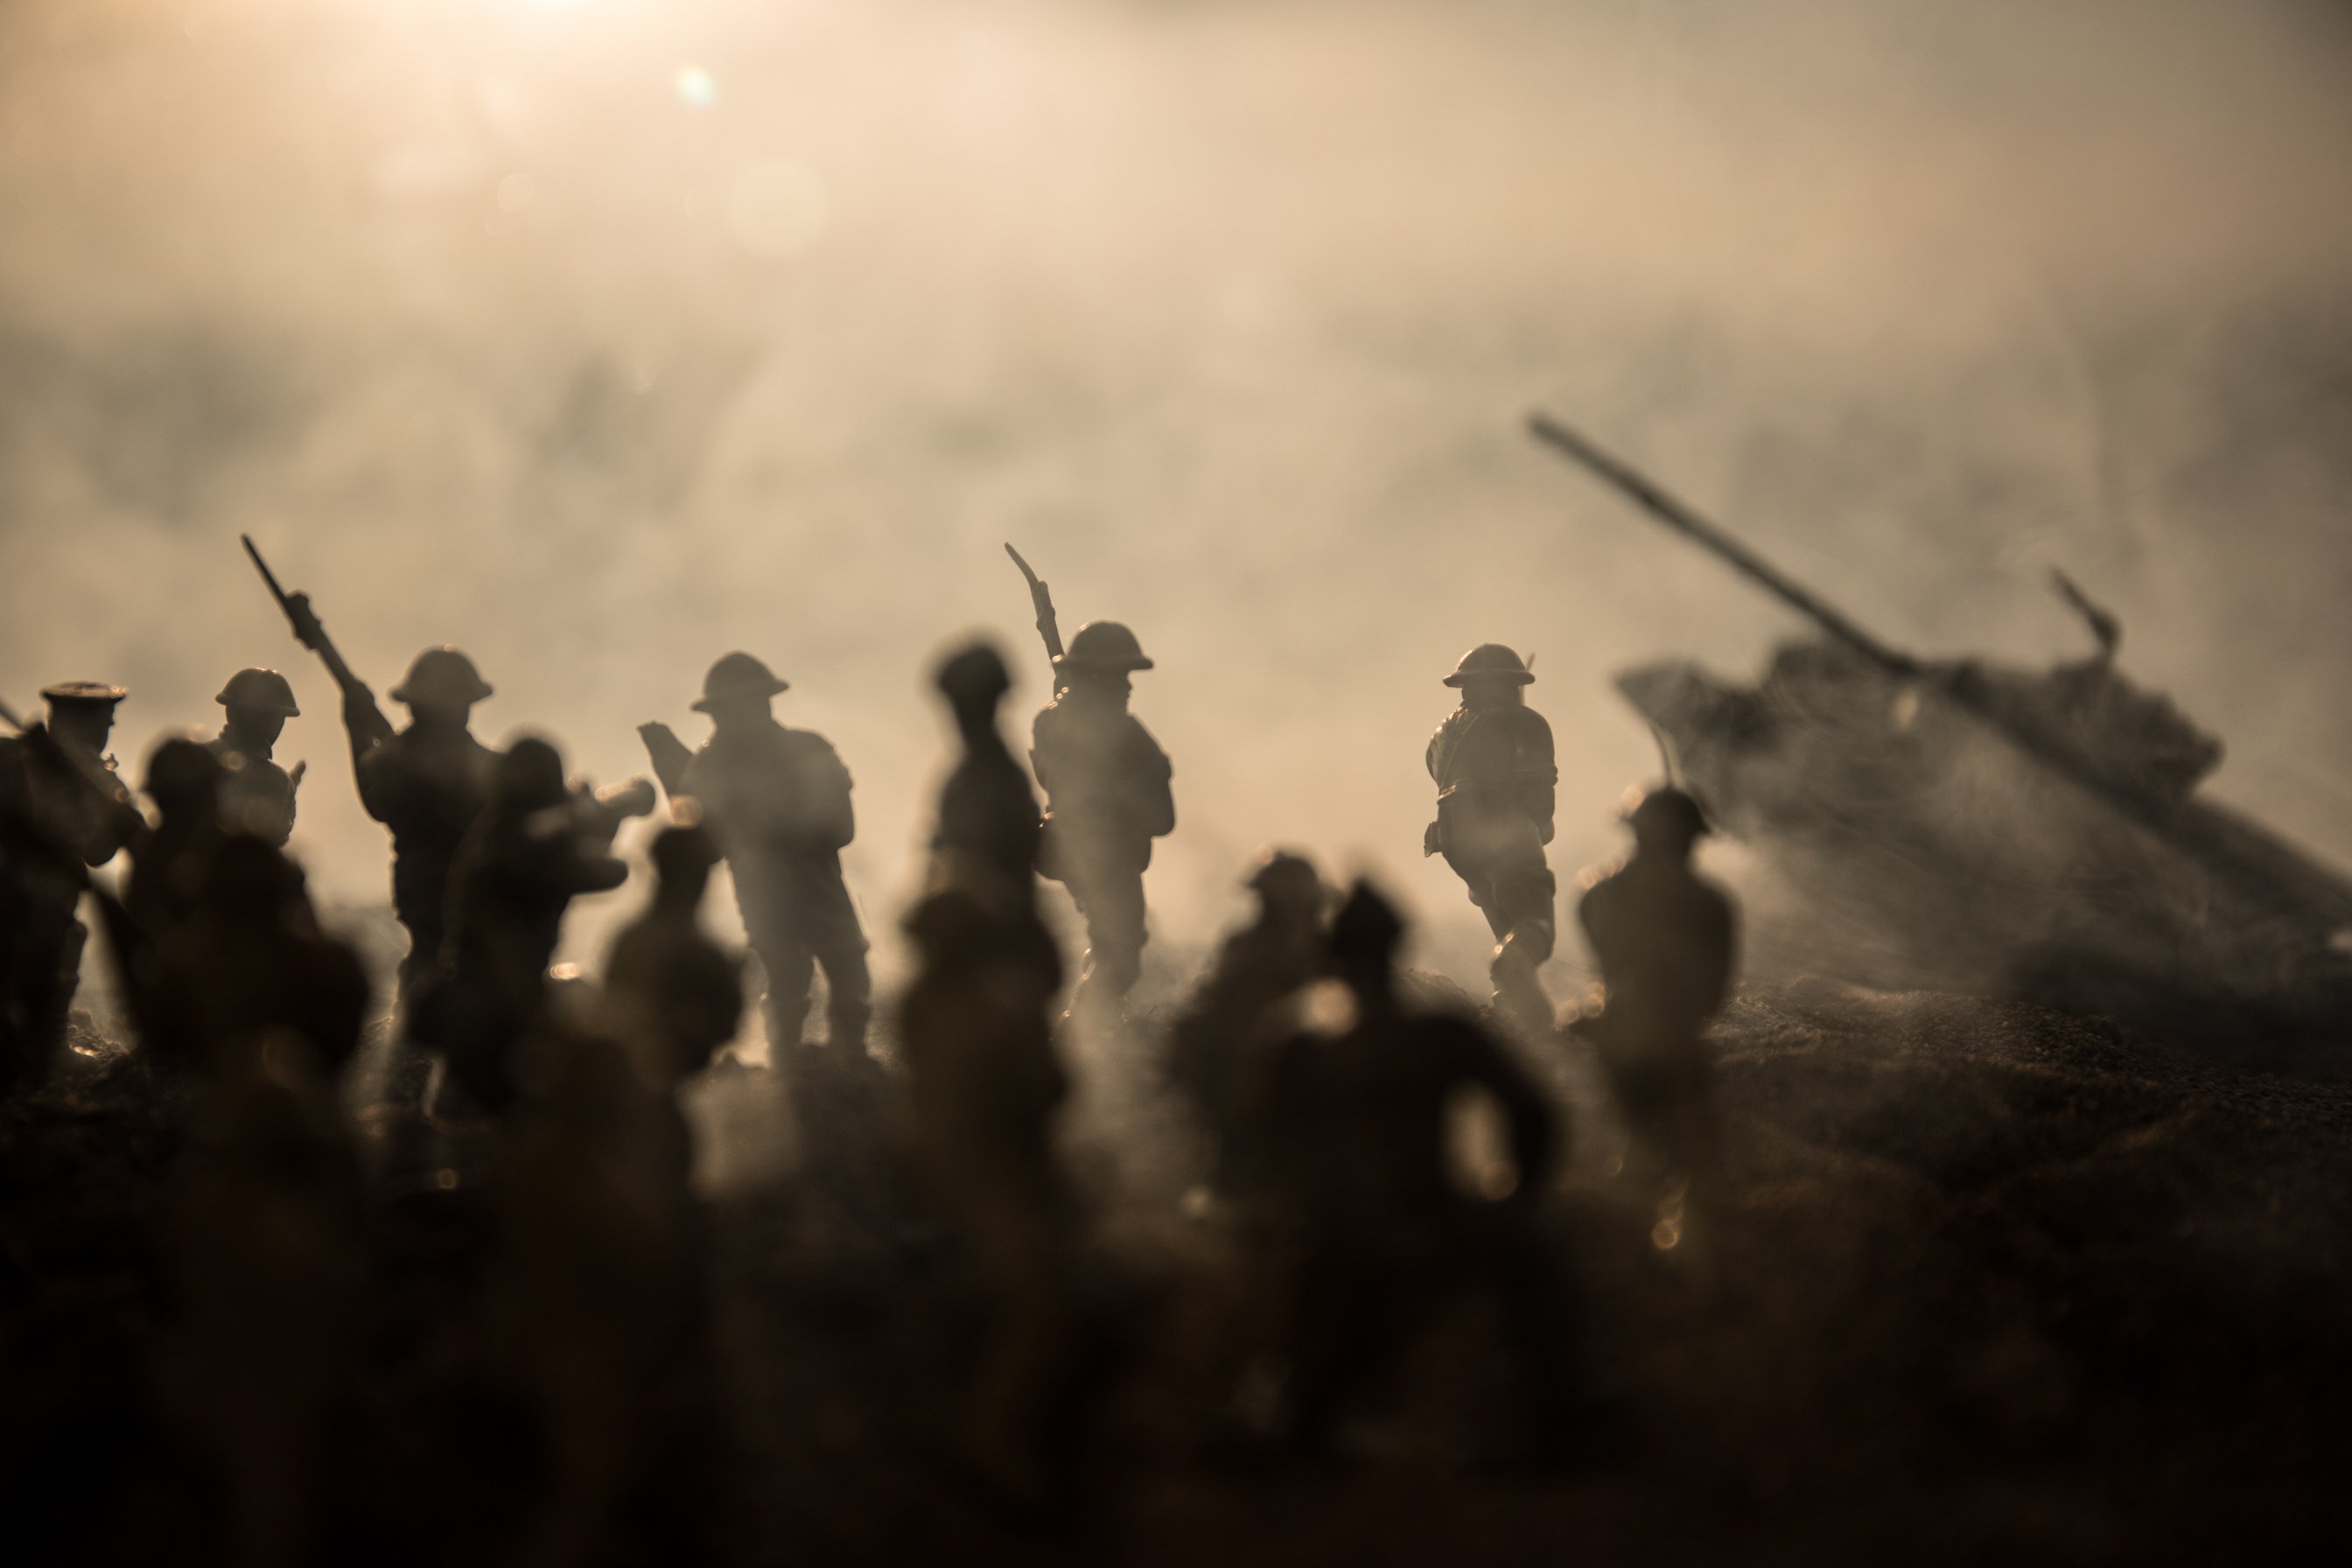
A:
<point x="373" y="772"/>
<point x="668" y="755"/>
<point x="597" y="872"/>
<point x="1525" y="1110"/>
<point x="1537" y="771"/>
<point x="825" y="787"/>
<point x="1722" y="945"/>
<point x="1154" y="785"/>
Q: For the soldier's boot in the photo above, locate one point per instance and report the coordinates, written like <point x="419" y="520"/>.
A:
<point x="1520" y="994"/>
<point x="849" y="1003"/>
<point x="788" y="971"/>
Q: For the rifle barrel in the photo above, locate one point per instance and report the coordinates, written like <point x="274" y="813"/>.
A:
<point x="1670" y="512"/>
<point x="262" y="566"/>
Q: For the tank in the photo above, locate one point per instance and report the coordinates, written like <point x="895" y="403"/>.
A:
<point x="1965" y="825"/>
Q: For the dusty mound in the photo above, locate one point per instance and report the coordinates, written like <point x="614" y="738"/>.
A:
<point x="1990" y="1282"/>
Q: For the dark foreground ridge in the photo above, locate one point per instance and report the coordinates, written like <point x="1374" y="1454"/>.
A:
<point x="1989" y="1283"/>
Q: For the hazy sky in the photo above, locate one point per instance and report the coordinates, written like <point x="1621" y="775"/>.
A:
<point x="601" y="337"/>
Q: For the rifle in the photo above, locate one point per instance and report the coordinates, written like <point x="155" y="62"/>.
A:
<point x="369" y="726"/>
<point x="1048" y="626"/>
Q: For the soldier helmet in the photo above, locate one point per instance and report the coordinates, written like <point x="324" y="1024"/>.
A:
<point x="974" y="675"/>
<point x="738" y="675"/>
<point x="86" y="693"/>
<point x="1104" y="645"/>
<point x="1282" y="875"/>
<point x="182" y="770"/>
<point x="1490" y="660"/>
<point x="529" y="775"/>
<point x="1367" y="928"/>
<point x="683" y="853"/>
<point x="441" y="675"/>
<point x="263" y="689"/>
<point x="1668" y="812"/>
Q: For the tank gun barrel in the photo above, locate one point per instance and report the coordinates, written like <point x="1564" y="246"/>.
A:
<point x="1654" y="499"/>
<point x="2192" y="832"/>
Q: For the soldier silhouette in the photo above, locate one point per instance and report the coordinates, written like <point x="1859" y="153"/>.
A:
<point x="249" y="967"/>
<point x="1492" y="761"/>
<point x="1107" y="798"/>
<point x="62" y="811"/>
<point x="990" y="826"/>
<point x="1665" y="940"/>
<point x="1223" y="1042"/>
<point x="1385" y="1234"/>
<point x="671" y="992"/>
<point x="528" y="856"/>
<point x="778" y="802"/>
<point x="984" y="1082"/>
<point x="256" y="795"/>
<point x="426" y="784"/>
<point x="170" y="864"/>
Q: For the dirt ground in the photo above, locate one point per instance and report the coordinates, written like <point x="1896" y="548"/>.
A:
<point x="1989" y="1283"/>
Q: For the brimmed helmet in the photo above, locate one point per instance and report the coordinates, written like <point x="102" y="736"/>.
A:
<point x="265" y="690"/>
<point x="738" y="675"/>
<point x="974" y="675"/>
<point x="87" y="693"/>
<point x="1104" y="645"/>
<point x="1282" y="875"/>
<point x="1668" y="811"/>
<point x="182" y="769"/>
<point x="441" y="675"/>
<point x="1368" y="928"/>
<point x="1491" y="660"/>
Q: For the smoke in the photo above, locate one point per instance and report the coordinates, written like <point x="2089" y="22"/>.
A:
<point x="599" y="338"/>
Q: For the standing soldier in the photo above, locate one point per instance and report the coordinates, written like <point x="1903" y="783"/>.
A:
<point x="1492" y="761"/>
<point x="1385" y="1232"/>
<point x="1107" y="798"/>
<point x="1664" y="937"/>
<point x="672" y="994"/>
<point x="257" y="796"/>
<point x="778" y="800"/>
<point x="428" y="783"/>
<point x="62" y="811"/>
<point x="529" y="855"/>
<point x="1221" y="1044"/>
<point x="989" y="828"/>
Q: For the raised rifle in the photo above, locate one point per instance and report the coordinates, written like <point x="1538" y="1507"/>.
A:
<point x="369" y="726"/>
<point x="1041" y="598"/>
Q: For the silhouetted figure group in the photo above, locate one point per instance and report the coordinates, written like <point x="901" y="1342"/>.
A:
<point x="1322" y="1093"/>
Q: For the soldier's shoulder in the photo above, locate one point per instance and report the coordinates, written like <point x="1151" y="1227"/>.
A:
<point x="805" y="743"/>
<point x="1137" y="732"/>
<point x="1526" y="722"/>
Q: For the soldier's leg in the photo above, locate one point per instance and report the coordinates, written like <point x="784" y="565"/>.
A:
<point x="54" y="973"/>
<point x="1113" y="905"/>
<point x="1477" y="874"/>
<point x="824" y="913"/>
<point x="788" y="966"/>
<point x="849" y="1005"/>
<point x="1521" y="898"/>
